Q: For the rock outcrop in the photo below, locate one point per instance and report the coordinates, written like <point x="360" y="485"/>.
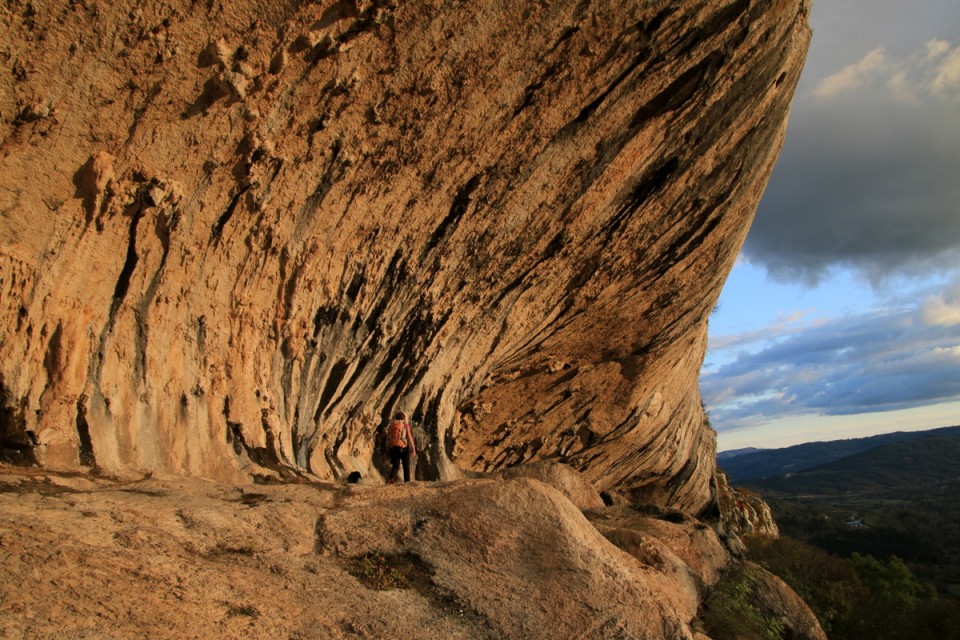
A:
<point x="483" y="558"/>
<point x="777" y="599"/>
<point x="740" y="513"/>
<point x="234" y="236"/>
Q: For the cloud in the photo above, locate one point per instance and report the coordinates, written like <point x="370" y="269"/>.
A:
<point x="871" y="362"/>
<point x="942" y="309"/>
<point x="933" y="71"/>
<point x="853" y="76"/>
<point x="784" y="325"/>
<point x="867" y="179"/>
<point x="946" y="76"/>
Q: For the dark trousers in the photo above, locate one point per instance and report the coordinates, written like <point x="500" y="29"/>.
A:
<point x="400" y="455"/>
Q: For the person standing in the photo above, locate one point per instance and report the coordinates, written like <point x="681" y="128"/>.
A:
<point x="400" y="446"/>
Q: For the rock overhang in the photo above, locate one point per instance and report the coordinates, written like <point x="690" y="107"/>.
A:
<point x="262" y="229"/>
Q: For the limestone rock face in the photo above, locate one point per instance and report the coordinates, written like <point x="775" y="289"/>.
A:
<point x="235" y="236"/>
<point x="741" y="513"/>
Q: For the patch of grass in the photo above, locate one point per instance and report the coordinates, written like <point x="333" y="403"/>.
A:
<point x="245" y="549"/>
<point x="381" y="572"/>
<point x="247" y="610"/>
<point x="253" y="499"/>
<point x="378" y="571"/>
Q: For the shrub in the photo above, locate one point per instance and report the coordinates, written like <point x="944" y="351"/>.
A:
<point x="862" y="597"/>
<point x="730" y="612"/>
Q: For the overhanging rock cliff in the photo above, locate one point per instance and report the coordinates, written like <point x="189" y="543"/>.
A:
<point x="236" y="236"/>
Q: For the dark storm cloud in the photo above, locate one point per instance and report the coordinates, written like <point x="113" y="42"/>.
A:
<point x="869" y="177"/>
<point x="852" y="365"/>
<point x="872" y="188"/>
<point x="868" y="182"/>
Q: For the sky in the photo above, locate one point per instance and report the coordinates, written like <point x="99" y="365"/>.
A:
<point x="841" y="318"/>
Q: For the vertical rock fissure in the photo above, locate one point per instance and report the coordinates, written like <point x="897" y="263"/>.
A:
<point x="163" y="229"/>
<point x="461" y="202"/>
<point x="87" y="457"/>
<point x="217" y="231"/>
<point x="136" y="212"/>
<point x="334" y="378"/>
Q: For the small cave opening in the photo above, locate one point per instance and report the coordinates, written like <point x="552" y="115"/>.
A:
<point x="17" y="443"/>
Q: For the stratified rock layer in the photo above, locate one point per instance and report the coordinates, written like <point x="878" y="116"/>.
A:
<point x="236" y="236"/>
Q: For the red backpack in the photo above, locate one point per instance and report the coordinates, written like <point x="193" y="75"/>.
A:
<point x="397" y="434"/>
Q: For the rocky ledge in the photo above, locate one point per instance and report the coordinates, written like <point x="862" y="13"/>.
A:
<point x="90" y="557"/>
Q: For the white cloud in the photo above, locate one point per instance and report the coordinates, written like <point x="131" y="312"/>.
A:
<point x="902" y="89"/>
<point x="931" y="72"/>
<point x="790" y="431"/>
<point x="936" y="48"/>
<point x="939" y="312"/>
<point x="853" y="76"/>
<point x="946" y="74"/>
<point x="942" y="309"/>
<point x="785" y="324"/>
<point x="882" y="360"/>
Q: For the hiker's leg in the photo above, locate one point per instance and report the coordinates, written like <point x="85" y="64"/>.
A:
<point x="406" y="464"/>
<point x="395" y="459"/>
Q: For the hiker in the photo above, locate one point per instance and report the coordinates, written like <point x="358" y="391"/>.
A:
<point x="400" y="446"/>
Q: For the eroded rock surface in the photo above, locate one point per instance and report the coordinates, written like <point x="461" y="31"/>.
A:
<point x="562" y="478"/>
<point x="236" y="235"/>
<point x="740" y="513"/>
<point x="175" y="558"/>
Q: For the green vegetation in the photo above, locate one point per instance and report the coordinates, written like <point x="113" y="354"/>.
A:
<point x="860" y="597"/>
<point x="871" y="539"/>
<point x="244" y="549"/>
<point x="918" y="463"/>
<point x="730" y="611"/>
<point x="242" y="610"/>
<point x="771" y="463"/>
<point x="381" y="572"/>
<point x="898" y="500"/>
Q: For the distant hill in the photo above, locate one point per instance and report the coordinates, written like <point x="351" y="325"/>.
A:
<point x="923" y="462"/>
<point x="767" y="463"/>
<point x="900" y="498"/>
<point x="733" y="453"/>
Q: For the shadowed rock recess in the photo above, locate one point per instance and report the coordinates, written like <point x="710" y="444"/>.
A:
<point x="235" y="236"/>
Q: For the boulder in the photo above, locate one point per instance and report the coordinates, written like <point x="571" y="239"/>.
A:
<point x="561" y="477"/>
<point x="778" y="600"/>
<point x="470" y="559"/>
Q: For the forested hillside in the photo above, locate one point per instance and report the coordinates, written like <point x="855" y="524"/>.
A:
<point x="899" y="499"/>
<point x="766" y="463"/>
<point x="871" y="540"/>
